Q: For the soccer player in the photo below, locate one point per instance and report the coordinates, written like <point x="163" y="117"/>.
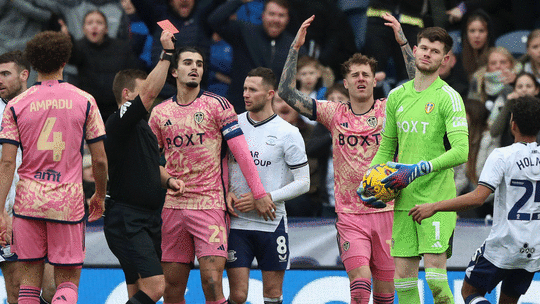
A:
<point x="133" y="212"/>
<point x="14" y="72"/>
<point x="421" y="115"/>
<point x="191" y="127"/>
<point x="50" y="121"/>
<point x="278" y="151"/>
<point x="512" y="172"/>
<point x="363" y="232"/>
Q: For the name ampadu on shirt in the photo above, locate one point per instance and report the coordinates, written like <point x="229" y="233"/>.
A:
<point x="58" y="104"/>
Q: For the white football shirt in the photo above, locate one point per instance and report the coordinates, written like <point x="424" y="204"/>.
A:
<point x="513" y="172"/>
<point x="277" y="148"/>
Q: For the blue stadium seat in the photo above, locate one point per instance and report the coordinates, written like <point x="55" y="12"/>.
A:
<point x="515" y="42"/>
<point x="456" y="36"/>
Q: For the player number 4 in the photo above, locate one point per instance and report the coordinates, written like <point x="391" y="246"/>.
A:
<point x="57" y="145"/>
<point x="529" y="189"/>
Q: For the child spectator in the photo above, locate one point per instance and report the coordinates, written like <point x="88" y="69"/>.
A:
<point x="309" y="78"/>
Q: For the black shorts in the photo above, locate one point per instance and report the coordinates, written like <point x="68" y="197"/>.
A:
<point x="134" y="237"/>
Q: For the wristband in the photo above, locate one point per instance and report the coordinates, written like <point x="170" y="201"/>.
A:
<point x="169" y="51"/>
<point x="404" y="44"/>
<point x="167" y="183"/>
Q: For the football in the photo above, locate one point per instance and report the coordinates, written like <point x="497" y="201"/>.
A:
<point x="374" y="187"/>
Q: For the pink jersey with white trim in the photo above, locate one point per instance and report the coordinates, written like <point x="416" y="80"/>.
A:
<point x="355" y="140"/>
<point x="191" y="136"/>
<point x="50" y="121"/>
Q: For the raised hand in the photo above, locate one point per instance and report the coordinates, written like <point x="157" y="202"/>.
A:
<point x="300" y="38"/>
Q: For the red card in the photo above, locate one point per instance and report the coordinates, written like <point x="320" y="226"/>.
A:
<point x="167" y="26"/>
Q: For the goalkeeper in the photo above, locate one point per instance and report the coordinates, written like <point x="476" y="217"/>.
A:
<point x="425" y="118"/>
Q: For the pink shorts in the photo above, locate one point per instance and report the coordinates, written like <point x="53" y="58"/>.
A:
<point x="61" y="243"/>
<point x="364" y="239"/>
<point x="186" y="233"/>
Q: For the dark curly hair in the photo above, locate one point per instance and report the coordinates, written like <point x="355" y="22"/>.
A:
<point x="48" y="51"/>
<point x="526" y="110"/>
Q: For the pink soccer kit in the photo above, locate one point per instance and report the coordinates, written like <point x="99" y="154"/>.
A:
<point x="191" y="137"/>
<point x="355" y="140"/>
<point x="50" y="121"/>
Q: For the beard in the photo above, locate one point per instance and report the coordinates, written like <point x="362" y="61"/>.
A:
<point x="13" y="94"/>
<point x="428" y="70"/>
<point x="192" y="84"/>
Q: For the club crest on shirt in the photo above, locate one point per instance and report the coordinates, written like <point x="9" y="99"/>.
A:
<point x="429" y="107"/>
<point x="199" y="117"/>
<point x="346" y="246"/>
<point x="372" y="121"/>
<point x="271" y="140"/>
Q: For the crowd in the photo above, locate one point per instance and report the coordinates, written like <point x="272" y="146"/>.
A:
<point x="168" y="100"/>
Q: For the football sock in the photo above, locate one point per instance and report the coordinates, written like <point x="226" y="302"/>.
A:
<point x="273" y="300"/>
<point x="29" y="294"/>
<point x="140" y="298"/>
<point x="181" y="302"/>
<point x="221" y="301"/>
<point x="360" y="291"/>
<point x="383" y="298"/>
<point x="66" y="293"/>
<point x="42" y="300"/>
<point x="476" y="299"/>
<point x="438" y="283"/>
<point x="407" y="290"/>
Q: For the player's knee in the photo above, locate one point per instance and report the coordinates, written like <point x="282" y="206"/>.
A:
<point x="383" y="275"/>
<point x="238" y="296"/>
<point x="155" y="289"/>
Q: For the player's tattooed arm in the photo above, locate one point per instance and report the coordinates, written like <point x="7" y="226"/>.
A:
<point x="403" y="43"/>
<point x="287" y="86"/>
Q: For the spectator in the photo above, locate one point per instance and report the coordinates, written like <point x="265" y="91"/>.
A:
<point x="264" y="45"/>
<point x="309" y="77"/>
<point x="477" y="38"/>
<point x="329" y="41"/>
<point x="492" y="82"/>
<point x="188" y="16"/>
<point x="139" y="35"/>
<point x="531" y="60"/>
<point x="308" y="204"/>
<point x="499" y="11"/>
<point x="98" y="58"/>
<point x="219" y="66"/>
<point x="526" y="84"/>
<point x="379" y="40"/>
<point x="20" y="20"/>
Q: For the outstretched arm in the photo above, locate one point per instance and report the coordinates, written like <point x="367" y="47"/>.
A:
<point x="287" y="86"/>
<point x="403" y="43"/>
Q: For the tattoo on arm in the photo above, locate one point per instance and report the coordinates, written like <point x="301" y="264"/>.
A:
<point x="287" y="87"/>
<point x="409" y="60"/>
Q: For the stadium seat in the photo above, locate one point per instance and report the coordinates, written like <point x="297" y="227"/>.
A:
<point x="515" y="42"/>
<point x="456" y="36"/>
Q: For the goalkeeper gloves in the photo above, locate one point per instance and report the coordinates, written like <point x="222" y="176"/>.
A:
<point x="405" y="174"/>
<point x="368" y="198"/>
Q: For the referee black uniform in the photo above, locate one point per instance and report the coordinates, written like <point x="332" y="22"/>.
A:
<point x="133" y="212"/>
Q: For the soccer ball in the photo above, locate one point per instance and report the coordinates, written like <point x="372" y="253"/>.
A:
<point x="374" y="187"/>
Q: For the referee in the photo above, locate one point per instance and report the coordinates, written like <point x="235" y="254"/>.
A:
<point x="133" y="212"/>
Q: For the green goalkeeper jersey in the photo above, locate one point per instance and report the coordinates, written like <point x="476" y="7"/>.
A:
<point x="417" y="123"/>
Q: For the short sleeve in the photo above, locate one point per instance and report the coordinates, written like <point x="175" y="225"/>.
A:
<point x="95" y="128"/>
<point x="9" y="133"/>
<point x="493" y="171"/>
<point x="295" y="150"/>
<point x="326" y="111"/>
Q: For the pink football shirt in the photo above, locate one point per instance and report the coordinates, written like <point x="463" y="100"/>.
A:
<point x="50" y="121"/>
<point x="191" y="137"/>
<point x="355" y="140"/>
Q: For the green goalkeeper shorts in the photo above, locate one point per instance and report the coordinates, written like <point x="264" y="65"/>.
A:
<point x="434" y="235"/>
